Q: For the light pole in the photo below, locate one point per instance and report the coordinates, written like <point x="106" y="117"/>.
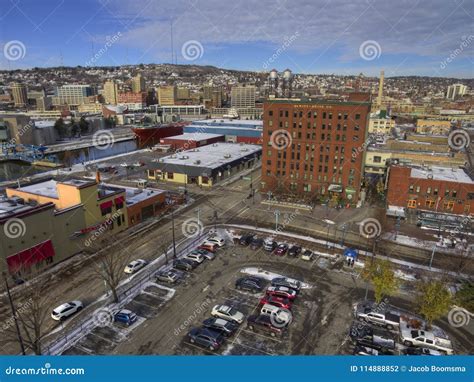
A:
<point x="20" y="339"/>
<point x="174" y="241"/>
<point x="277" y="214"/>
<point x="432" y="255"/>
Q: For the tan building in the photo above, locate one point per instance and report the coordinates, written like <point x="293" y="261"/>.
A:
<point x="110" y="92"/>
<point x="19" y="128"/>
<point x="20" y="94"/>
<point x="167" y="95"/>
<point x="138" y="84"/>
<point x="90" y="108"/>
<point x="182" y="94"/>
<point x="243" y="97"/>
<point x="431" y="126"/>
<point x="381" y="125"/>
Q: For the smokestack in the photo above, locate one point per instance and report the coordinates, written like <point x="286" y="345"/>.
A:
<point x="379" y="97"/>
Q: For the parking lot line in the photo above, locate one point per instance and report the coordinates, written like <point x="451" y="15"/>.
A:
<point x="254" y="349"/>
<point x="262" y="335"/>
<point x="102" y="338"/>
<point x="199" y="348"/>
<point x="142" y="303"/>
<point x="82" y="349"/>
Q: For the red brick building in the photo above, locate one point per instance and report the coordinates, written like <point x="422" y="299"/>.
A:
<point x="130" y="97"/>
<point x="439" y="189"/>
<point x="314" y="148"/>
<point x="191" y="140"/>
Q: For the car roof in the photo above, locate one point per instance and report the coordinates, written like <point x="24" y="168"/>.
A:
<point x="224" y="308"/>
<point x="221" y="321"/>
<point x="63" y="306"/>
<point x="125" y="311"/>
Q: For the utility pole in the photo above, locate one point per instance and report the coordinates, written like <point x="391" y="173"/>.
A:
<point x="432" y="255"/>
<point x="277" y="213"/>
<point x="20" y="339"/>
<point x="174" y="241"/>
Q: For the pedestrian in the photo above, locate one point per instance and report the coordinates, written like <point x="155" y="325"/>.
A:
<point x="352" y="263"/>
<point x="348" y="261"/>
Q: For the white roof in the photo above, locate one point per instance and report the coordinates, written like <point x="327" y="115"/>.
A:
<point x="194" y="136"/>
<point x="442" y="173"/>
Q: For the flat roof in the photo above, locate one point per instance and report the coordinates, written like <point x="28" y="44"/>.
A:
<point x="10" y="207"/>
<point x="446" y="174"/>
<point x="193" y="136"/>
<point x="211" y="156"/>
<point x="311" y="101"/>
<point x="48" y="189"/>
<point x="134" y="195"/>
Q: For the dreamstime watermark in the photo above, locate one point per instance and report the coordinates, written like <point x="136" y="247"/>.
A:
<point x="14" y="228"/>
<point x="459" y="139"/>
<point x="103" y="317"/>
<point x="110" y="41"/>
<point x="357" y="330"/>
<point x="21" y="309"/>
<point x="192" y="50"/>
<point x="103" y="228"/>
<point x="281" y="318"/>
<point x="46" y="370"/>
<point x="199" y="309"/>
<point x="466" y="41"/>
<point x="362" y="148"/>
<point x="192" y="228"/>
<point x="14" y="50"/>
<point x="281" y="139"/>
<point x="458" y="317"/>
<point x="287" y="41"/>
<point x="370" y="50"/>
<point x="103" y="140"/>
<point x="370" y="228"/>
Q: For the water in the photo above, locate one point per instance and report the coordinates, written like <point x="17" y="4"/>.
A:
<point x="15" y="170"/>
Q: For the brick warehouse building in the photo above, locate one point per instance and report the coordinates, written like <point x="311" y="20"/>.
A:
<point x="439" y="189"/>
<point x="325" y="154"/>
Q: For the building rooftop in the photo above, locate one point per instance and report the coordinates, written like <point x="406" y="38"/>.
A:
<point x="194" y="136"/>
<point x="310" y="101"/>
<point x="446" y="174"/>
<point x="212" y="156"/>
<point x="48" y="189"/>
<point x="222" y="122"/>
<point x="12" y="206"/>
<point x="135" y="195"/>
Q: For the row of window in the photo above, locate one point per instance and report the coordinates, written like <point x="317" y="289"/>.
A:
<point x="339" y="127"/>
<point x="323" y="137"/>
<point x="434" y="191"/>
<point x="448" y="205"/>
<point x="313" y="114"/>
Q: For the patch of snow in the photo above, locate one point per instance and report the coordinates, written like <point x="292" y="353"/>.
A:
<point x="270" y="275"/>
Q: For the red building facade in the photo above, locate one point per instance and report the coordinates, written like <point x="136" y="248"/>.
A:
<point x="437" y="189"/>
<point x="314" y="148"/>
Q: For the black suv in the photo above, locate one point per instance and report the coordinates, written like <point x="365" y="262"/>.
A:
<point x="256" y="243"/>
<point x="294" y="251"/>
<point x="264" y="323"/>
<point x="246" y="239"/>
<point x="253" y="284"/>
<point x="185" y="264"/>
<point x="220" y="325"/>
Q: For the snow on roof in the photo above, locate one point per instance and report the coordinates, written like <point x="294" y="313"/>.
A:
<point x="135" y="195"/>
<point x="442" y="173"/>
<point x="194" y="136"/>
<point x="47" y="189"/>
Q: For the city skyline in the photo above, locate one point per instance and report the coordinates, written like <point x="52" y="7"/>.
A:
<point x="404" y="40"/>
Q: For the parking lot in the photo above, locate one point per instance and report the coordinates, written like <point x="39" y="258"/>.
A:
<point x="322" y="311"/>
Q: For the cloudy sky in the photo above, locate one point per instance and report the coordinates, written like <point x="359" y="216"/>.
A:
<point x="404" y="37"/>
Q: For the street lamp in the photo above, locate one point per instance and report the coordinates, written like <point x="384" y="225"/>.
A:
<point x="174" y="240"/>
<point x="277" y="214"/>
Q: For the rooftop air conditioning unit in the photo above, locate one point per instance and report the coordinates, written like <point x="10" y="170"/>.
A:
<point x="197" y="161"/>
<point x="227" y="156"/>
<point x="184" y="157"/>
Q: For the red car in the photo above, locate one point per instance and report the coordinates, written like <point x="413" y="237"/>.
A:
<point x="281" y="291"/>
<point x="208" y="247"/>
<point x="276" y="301"/>
<point x="281" y="249"/>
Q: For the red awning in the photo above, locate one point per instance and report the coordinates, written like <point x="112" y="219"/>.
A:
<point x="119" y="199"/>
<point x="30" y="256"/>
<point x="106" y="205"/>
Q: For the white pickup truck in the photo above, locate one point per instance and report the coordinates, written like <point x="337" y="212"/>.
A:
<point x="369" y="312"/>
<point x="425" y="339"/>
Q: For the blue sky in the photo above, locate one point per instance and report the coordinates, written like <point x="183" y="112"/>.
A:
<point x="405" y="37"/>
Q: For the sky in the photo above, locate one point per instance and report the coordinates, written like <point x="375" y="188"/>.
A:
<point x="403" y="37"/>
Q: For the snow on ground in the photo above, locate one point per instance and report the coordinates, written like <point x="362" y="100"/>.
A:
<point x="270" y="275"/>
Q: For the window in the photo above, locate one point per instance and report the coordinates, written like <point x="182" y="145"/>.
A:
<point x="417" y="189"/>
<point x="454" y="194"/>
<point x="412" y="188"/>
<point x="357" y="116"/>
<point x="446" y="192"/>
<point x="170" y="175"/>
<point x="411" y="203"/>
<point x="435" y="192"/>
<point x="377" y="159"/>
<point x="448" y="205"/>
<point x="428" y="190"/>
<point x="430" y="203"/>
<point x="270" y="113"/>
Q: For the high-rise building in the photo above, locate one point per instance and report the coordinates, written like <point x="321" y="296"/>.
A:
<point x="20" y="94"/>
<point x="73" y="95"/>
<point x="314" y="148"/>
<point x="380" y="93"/>
<point x="182" y="93"/>
<point x="110" y="92"/>
<point x="138" y="84"/>
<point x="167" y="95"/>
<point x="242" y="96"/>
<point x="212" y="95"/>
<point x="455" y="91"/>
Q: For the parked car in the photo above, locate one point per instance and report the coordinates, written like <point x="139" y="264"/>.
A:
<point x="281" y="249"/>
<point x="208" y="247"/>
<point x="207" y="255"/>
<point x="287" y="282"/>
<point x="421" y="351"/>
<point x="206" y="338"/>
<point x="263" y="322"/>
<point x="126" y="317"/>
<point x="135" y="266"/>
<point x="171" y="276"/>
<point x="246" y="239"/>
<point x="307" y="255"/>
<point x="280" y="302"/>
<point x="228" y="313"/>
<point x="378" y="315"/>
<point x="194" y="256"/>
<point x="281" y="291"/>
<point x="227" y="328"/>
<point x="185" y="264"/>
<point x="294" y="251"/>
<point x="219" y="241"/>
<point x="364" y="350"/>
<point x="253" y="284"/>
<point x="269" y="245"/>
<point x="256" y="243"/>
<point x="66" y="310"/>
<point x="422" y="338"/>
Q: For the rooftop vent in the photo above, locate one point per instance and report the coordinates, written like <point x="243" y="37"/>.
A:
<point x="227" y="156"/>
<point x="184" y="157"/>
<point x="198" y="161"/>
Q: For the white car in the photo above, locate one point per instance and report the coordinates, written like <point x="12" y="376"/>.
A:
<point x="65" y="310"/>
<point x="227" y="313"/>
<point x="307" y="255"/>
<point x="219" y="241"/>
<point x="134" y="266"/>
<point x="197" y="257"/>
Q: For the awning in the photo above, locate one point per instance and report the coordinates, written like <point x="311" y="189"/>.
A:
<point x="106" y="205"/>
<point x="119" y="199"/>
<point x="30" y="256"/>
<point x="335" y="188"/>
<point x="396" y="211"/>
<point x="350" y="252"/>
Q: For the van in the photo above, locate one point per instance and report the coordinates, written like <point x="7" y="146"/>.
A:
<point x="269" y="310"/>
<point x="208" y="247"/>
<point x="199" y="258"/>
